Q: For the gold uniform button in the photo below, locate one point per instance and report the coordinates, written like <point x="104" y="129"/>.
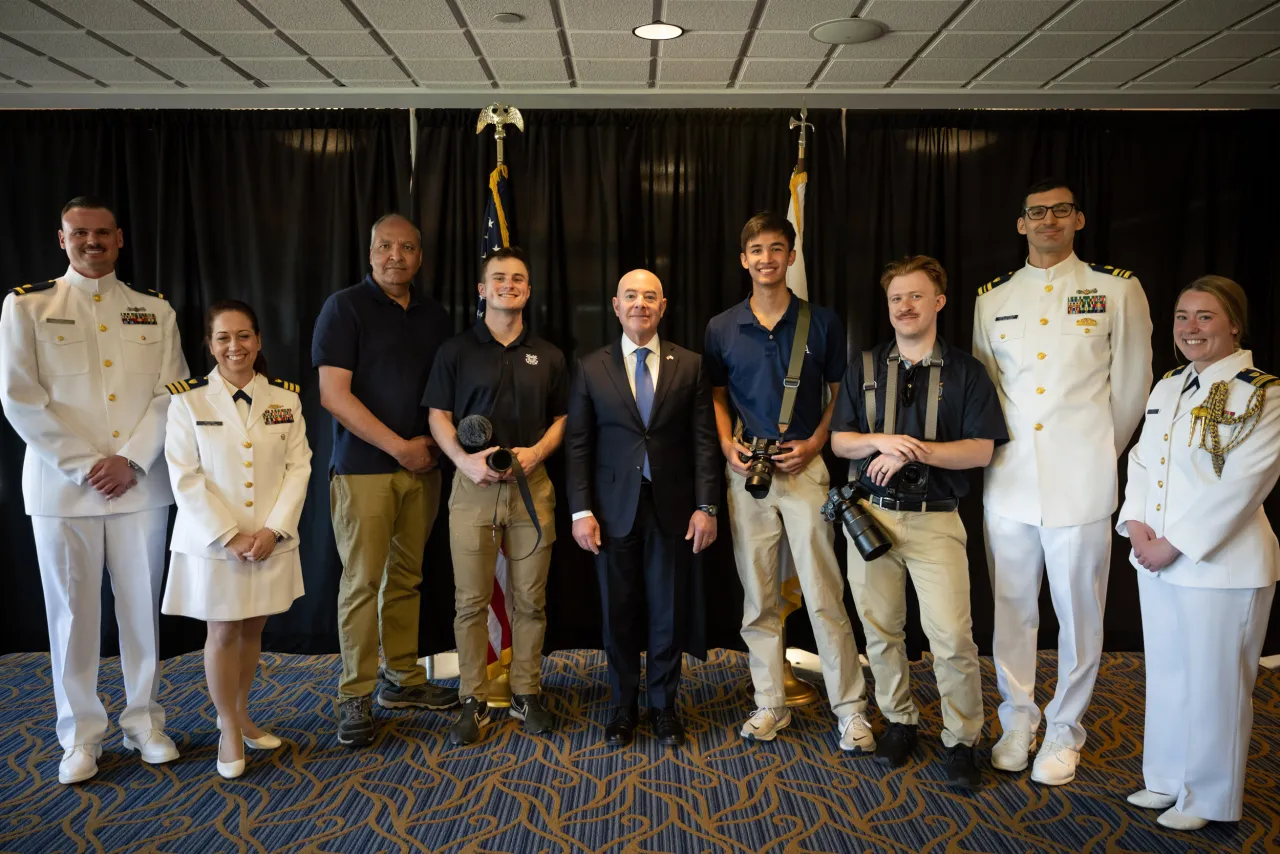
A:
<point x="1159" y="483"/>
<point x="248" y="444"/>
<point x="144" y="338"/>
<point x="1087" y="331"/>
<point x="1039" y="426"/>
<point x="1157" y="506"/>
<point x="1039" y="355"/>
<point x="1001" y="336"/>
<point x="111" y="397"/>
<point x="1166" y="437"/>
<point x="107" y="363"/>
<point x="1162" y="461"/>
<point x="1040" y="390"/>
<point x="59" y="337"/>
<point x="97" y="297"/>
<point x="1044" y="321"/>
<point x="115" y="434"/>
<point x="248" y="483"/>
<point x="102" y="327"/>
<point x="248" y="504"/>
<point x="248" y="464"/>
<point x="1048" y="289"/>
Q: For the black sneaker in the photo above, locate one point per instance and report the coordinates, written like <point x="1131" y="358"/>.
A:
<point x="471" y="720"/>
<point x="894" y="746"/>
<point x="426" y="696"/>
<point x="962" y="769"/>
<point x="355" y="722"/>
<point x="529" y="708"/>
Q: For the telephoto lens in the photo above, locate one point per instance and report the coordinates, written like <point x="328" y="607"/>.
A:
<point x="867" y="536"/>
<point x="501" y="460"/>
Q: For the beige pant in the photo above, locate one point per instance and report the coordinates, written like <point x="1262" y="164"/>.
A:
<point x="931" y="546"/>
<point x="791" y="509"/>
<point x="474" y="542"/>
<point x="381" y="523"/>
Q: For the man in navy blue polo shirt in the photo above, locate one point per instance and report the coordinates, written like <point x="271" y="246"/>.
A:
<point x="374" y="344"/>
<point x="748" y="349"/>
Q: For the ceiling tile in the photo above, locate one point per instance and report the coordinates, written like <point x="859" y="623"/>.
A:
<point x="36" y="70"/>
<point x="890" y="46"/>
<point x="1114" y="71"/>
<point x="116" y="70"/>
<point x="1205" y="14"/>
<point x="849" y="85"/>
<point x="402" y="83"/>
<point x="1268" y="20"/>
<point x="625" y="84"/>
<point x="220" y="85"/>
<point x="803" y="16"/>
<point x="1107" y="15"/>
<point x="987" y="46"/>
<point x="307" y="14"/>
<point x="710" y="14"/>
<point x="509" y="70"/>
<point x="9" y="49"/>
<point x="519" y="44"/>
<point x="1258" y="71"/>
<point x="170" y="45"/>
<point x="479" y="14"/>
<point x="217" y="15"/>
<point x="778" y="45"/>
<point x="695" y="70"/>
<point x="321" y="84"/>
<point x="544" y="84"/>
<point x="392" y="15"/>
<point x="1007" y="15"/>
<point x="619" y="16"/>
<point x="1144" y="45"/>
<point x="861" y="70"/>
<point x="261" y="44"/>
<point x="1028" y="70"/>
<point x="364" y="69"/>
<point x="1082" y="87"/>
<point x="198" y="70"/>
<point x="20" y="17"/>
<point x="703" y="46"/>
<point x="781" y="71"/>
<point x="1005" y="85"/>
<point x="1190" y="70"/>
<point x="447" y="70"/>
<point x="611" y="71"/>
<point x="943" y="69"/>
<point x="273" y="70"/>
<point x="1062" y="45"/>
<point x="1238" y="84"/>
<point x="926" y="84"/>
<point x="67" y="45"/>
<point x="916" y="15"/>
<point x="594" y="45"/>
<point x="332" y="43"/>
<point x="107" y="14"/>
<point x="433" y="45"/>
<point x="1237" y="45"/>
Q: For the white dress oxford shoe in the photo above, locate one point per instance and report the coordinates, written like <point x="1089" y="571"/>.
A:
<point x="153" y="745"/>
<point x="79" y="763"/>
<point x="1150" y="800"/>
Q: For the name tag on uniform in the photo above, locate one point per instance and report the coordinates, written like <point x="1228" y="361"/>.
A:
<point x="208" y="423"/>
<point x="65" y="320"/>
<point x="277" y="414"/>
<point x="1008" y="317"/>
<point x="1153" y="411"/>
<point x="1087" y="304"/>
<point x="136" y="315"/>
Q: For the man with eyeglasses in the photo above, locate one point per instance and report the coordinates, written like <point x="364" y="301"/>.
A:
<point x="1069" y="347"/>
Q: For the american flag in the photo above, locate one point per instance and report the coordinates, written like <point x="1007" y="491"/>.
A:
<point x="495" y="232"/>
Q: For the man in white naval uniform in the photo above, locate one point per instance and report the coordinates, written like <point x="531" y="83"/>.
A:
<point x="1068" y="345"/>
<point x="84" y="360"/>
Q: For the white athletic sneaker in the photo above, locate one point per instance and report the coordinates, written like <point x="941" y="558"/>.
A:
<point x="1012" y="750"/>
<point x="764" y="724"/>
<point x="855" y="734"/>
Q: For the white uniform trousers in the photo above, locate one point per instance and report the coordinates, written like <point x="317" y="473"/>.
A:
<point x="1078" y="561"/>
<point x="1202" y="647"/>
<point x="72" y="551"/>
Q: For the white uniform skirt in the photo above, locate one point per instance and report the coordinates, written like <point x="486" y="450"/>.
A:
<point x="216" y="589"/>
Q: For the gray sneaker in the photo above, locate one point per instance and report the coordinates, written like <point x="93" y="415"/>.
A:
<point x="355" y="722"/>
<point x="530" y="709"/>
<point x="426" y="696"/>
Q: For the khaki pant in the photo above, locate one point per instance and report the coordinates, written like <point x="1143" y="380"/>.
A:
<point x="475" y="542"/>
<point x="931" y="546"/>
<point x="791" y="509"/>
<point x="381" y="523"/>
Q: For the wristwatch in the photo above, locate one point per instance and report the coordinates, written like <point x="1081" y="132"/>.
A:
<point x="137" y="468"/>
<point x="709" y="509"/>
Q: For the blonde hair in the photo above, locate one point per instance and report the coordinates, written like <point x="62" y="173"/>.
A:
<point x="1231" y="295"/>
<point x="931" y="267"/>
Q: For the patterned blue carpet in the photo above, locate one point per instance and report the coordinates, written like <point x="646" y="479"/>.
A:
<point x="567" y="793"/>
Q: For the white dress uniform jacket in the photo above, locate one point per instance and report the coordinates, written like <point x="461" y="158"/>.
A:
<point x="1217" y="523"/>
<point x="1069" y="349"/>
<point x="83" y="368"/>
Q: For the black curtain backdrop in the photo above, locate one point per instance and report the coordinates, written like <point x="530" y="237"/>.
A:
<point x="274" y="207"/>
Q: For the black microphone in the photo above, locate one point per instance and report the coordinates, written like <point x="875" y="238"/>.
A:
<point x="475" y="434"/>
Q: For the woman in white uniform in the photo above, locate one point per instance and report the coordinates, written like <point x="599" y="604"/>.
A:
<point x="239" y="461"/>
<point x="1206" y="556"/>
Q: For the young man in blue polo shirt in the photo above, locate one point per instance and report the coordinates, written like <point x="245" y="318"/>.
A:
<point x="374" y="344"/>
<point x="748" y="350"/>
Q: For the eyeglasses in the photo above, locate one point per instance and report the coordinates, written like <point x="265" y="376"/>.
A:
<point x="1060" y="210"/>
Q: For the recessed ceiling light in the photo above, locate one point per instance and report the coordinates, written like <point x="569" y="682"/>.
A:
<point x="847" y="31"/>
<point x="508" y="17"/>
<point x="658" y="31"/>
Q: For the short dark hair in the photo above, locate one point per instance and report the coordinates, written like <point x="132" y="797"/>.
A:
<point x="90" y="202"/>
<point x="224" y="306"/>
<point x="1044" y="185"/>
<point x="393" y="215"/>
<point x="768" y="221"/>
<point x="501" y="253"/>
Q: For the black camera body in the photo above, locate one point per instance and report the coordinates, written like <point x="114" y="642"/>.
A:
<point x="911" y="483"/>
<point x="760" y="465"/>
<point x="842" y="503"/>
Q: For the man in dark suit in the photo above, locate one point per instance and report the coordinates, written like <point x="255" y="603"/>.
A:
<point x="644" y="477"/>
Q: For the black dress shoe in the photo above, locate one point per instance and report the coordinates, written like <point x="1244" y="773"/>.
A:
<point x="621" y="727"/>
<point x="667" y="727"/>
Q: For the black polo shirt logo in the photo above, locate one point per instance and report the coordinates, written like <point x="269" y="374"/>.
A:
<point x="531" y="358"/>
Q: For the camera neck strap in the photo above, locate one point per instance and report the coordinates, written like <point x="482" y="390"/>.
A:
<point x="933" y="362"/>
<point x="522" y="483"/>
<point x="791" y="382"/>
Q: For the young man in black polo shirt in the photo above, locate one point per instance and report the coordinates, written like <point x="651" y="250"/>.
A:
<point x="920" y="519"/>
<point x="747" y="356"/>
<point x="500" y="370"/>
<point x="374" y="344"/>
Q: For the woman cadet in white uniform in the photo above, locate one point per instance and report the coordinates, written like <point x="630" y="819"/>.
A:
<point x="1206" y="556"/>
<point x="239" y="461"/>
